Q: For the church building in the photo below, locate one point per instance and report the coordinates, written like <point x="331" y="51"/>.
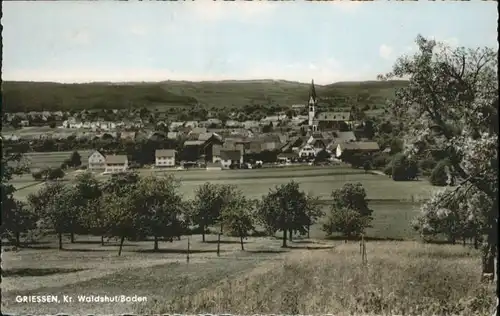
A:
<point x="324" y="121"/>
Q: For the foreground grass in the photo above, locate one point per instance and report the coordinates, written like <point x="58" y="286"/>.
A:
<point x="310" y="277"/>
<point x="401" y="278"/>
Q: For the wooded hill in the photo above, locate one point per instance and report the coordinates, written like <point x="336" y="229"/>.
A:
<point x="39" y="96"/>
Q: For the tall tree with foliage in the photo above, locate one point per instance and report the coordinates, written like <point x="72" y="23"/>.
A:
<point x="75" y="159"/>
<point x="89" y="193"/>
<point x="55" y="204"/>
<point x="238" y="216"/>
<point x="349" y="214"/>
<point x="17" y="219"/>
<point x="11" y="164"/>
<point x="451" y="105"/>
<point x="284" y="209"/>
<point x="159" y="206"/>
<point x="210" y="199"/>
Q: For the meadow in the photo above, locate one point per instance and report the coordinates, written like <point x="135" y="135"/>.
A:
<point x="311" y="276"/>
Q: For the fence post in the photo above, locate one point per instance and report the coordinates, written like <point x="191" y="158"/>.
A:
<point x="218" y="245"/>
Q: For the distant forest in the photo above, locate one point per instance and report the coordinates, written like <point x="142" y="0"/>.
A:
<point x="44" y="96"/>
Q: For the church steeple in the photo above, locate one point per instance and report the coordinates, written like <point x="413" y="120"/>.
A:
<point x="312" y="93"/>
<point x="312" y="106"/>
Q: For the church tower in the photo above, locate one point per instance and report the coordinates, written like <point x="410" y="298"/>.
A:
<point x="312" y="107"/>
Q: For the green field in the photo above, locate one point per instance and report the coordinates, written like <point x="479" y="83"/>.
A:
<point x="394" y="203"/>
<point x="53" y="96"/>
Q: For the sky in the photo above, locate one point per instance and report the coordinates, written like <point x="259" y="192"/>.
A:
<point x="80" y="41"/>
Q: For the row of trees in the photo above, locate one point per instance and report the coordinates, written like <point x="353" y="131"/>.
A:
<point x="131" y="207"/>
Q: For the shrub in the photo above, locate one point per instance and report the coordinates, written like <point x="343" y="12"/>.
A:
<point x="380" y="160"/>
<point x="439" y="176"/>
<point x="388" y="169"/>
<point x="37" y="175"/>
<point x="56" y="173"/>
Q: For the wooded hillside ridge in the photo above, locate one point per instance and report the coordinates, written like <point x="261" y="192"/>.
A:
<point x="23" y="96"/>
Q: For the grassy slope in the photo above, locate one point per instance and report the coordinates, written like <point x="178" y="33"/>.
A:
<point x="401" y="278"/>
<point x="38" y="95"/>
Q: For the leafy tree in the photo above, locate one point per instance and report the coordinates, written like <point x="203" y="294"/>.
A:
<point x="119" y="182"/>
<point x="56" y="173"/>
<point x="284" y="209"/>
<point x="440" y="174"/>
<point x="238" y="217"/>
<point x="403" y="168"/>
<point x="313" y="211"/>
<point x="75" y="159"/>
<point x="210" y="200"/>
<point x="159" y="205"/>
<point x="13" y="214"/>
<point x="121" y="216"/>
<point x="349" y="214"/>
<point x="54" y="203"/>
<point x="17" y="219"/>
<point x="37" y="175"/>
<point x="89" y="193"/>
<point x="322" y="156"/>
<point x="451" y="101"/>
<point x="367" y="165"/>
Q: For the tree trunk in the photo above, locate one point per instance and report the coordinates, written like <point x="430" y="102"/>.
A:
<point x="122" y="239"/>
<point x="463" y="241"/>
<point x="284" y="238"/>
<point x="60" y="241"/>
<point x="156" y="244"/>
<point x="308" y="231"/>
<point x="290" y="235"/>
<point x="18" y="239"/>
<point x="218" y="245"/>
<point x="72" y="238"/>
<point x="102" y="240"/>
<point x="476" y="243"/>
<point x="241" y="242"/>
<point x="202" y="232"/>
<point x="221" y="228"/>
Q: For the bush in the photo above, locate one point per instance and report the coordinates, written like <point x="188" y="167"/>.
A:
<point x="403" y="168"/>
<point x="37" y="175"/>
<point x="52" y="125"/>
<point x="56" y="173"/>
<point x="388" y="169"/>
<point x="380" y="160"/>
<point x="439" y="177"/>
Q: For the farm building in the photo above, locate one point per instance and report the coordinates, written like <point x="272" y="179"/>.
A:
<point x="230" y="157"/>
<point x="116" y="163"/>
<point x="288" y="157"/>
<point x="356" y="147"/>
<point x="96" y="161"/>
<point x="165" y="158"/>
<point x="307" y="151"/>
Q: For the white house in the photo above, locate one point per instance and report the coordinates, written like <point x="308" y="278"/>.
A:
<point x="230" y="157"/>
<point x="116" y="163"/>
<point x="364" y="147"/>
<point x="97" y="161"/>
<point x="165" y="158"/>
<point x="307" y="151"/>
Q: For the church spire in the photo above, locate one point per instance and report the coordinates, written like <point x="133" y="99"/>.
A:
<point x="312" y="93"/>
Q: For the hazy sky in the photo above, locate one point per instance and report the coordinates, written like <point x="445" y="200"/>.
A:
<point x="79" y="41"/>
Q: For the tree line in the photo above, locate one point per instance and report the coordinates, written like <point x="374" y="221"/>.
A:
<point x="130" y="207"/>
